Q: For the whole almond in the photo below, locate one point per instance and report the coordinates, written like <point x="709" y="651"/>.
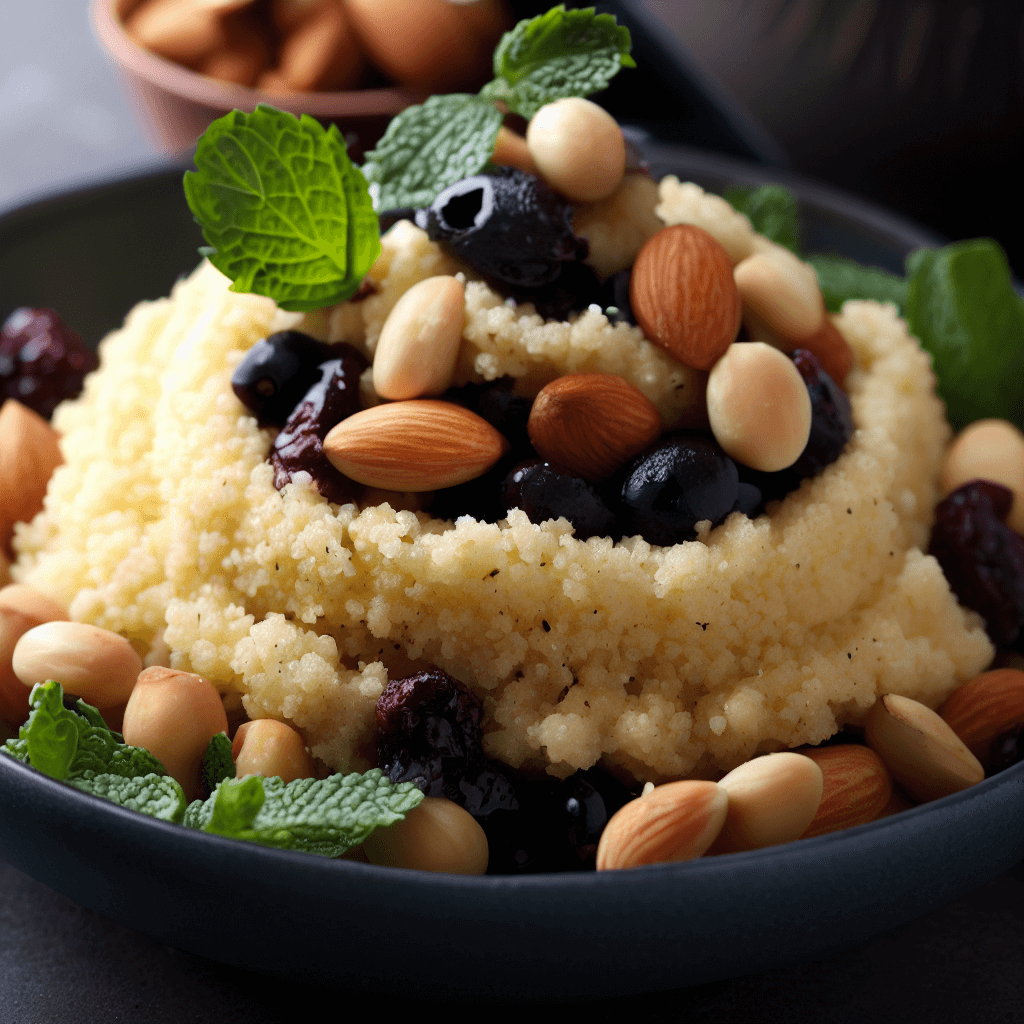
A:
<point x="856" y="787"/>
<point x="179" y="30"/>
<point x="419" y="342"/>
<point x="420" y="445"/>
<point x="683" y="295"/>
<point x="677" y="821"/>
<point x="592" y="423"/>
<point x="921" y="751"/>
<point x="29" y="453"/>
<point x="772" y="799"/>
<point x="986" y="708"/>
<point x="832" y="349"/>
<point x="321" y="52"/>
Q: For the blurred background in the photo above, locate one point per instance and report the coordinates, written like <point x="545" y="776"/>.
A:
<point x="917" y="104"/>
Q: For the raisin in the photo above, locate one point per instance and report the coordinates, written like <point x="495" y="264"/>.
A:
<point x="615" y="295"/>
<point x="1007" y="750"/>
<point x="299" y="444"/>
<point x="545" y="491"/>
<point x="831" y="420"/>
<point x="42" y="361"/>
<point x="982" y="558"/>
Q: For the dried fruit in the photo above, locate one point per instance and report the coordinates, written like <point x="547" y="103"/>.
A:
<point x="544" y="491"/>
<point x="831" y="418"/>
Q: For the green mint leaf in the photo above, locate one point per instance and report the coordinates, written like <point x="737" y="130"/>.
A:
<point x="962" y="306"/>
<point x="429" y="147"/>
<point x="555" y="55"/>
<point x="772" y="211"/>
<point x="156" y="795"/>
<point x="841" y="279"/>
<point x="325" y="816"/>
<point x="284" y="211"/>
<point x="218" y="764"/>
<point x="16" y="748"/>
<point x="51" y="732"/>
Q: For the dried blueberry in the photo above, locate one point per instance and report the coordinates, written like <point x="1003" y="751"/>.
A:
<point x="831" y="420"/>
<point x="1007" y="750"/>
<point x="615" y="298"/>
<point x="479" y="498"/>
<point x="585" y="803"/>
<point x="42" y="361"/>
<point x="276" y="373"/>
<point x="544" y="491"/>
<point x="496" y="402"/>
<point x="299" y="444"/>
<point x="982" y="558"/>
<point x="664" y="492"/>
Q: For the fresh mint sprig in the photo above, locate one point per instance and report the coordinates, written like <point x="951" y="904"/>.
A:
<point x="284" y="211"/>
<point x="553" y="56"/>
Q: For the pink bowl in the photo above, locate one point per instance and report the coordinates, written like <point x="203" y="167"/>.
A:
<point x="175" y="105"/>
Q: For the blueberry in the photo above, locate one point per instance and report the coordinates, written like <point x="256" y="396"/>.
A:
<point x="276" y="373"/>
<point x="495" y="402"/>
<point x="479" y="498"/>
<point x="749" y="500"/>
<point x="982" y="558"/>
<point x="42" y="361"/>
<point x="615" y="294"/>
<point x="831" y="420"/>
<point x="299" y="444"/>
<point x="544" y="491"/>
<point x="584" y="803"/>
<point x="664" y="492"/>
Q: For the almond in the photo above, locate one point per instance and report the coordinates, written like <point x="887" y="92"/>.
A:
<point x="677" y="821"/>
<point x="856" y="787"/>
<point x="420" y="445"/>
<point x="832" y="349"/>
<point x="29" y="453"/>
<point x="921" y="751"/>
<point x="684" y="297"/>
<point x="986" y="708"/>
<point x="592" y="423"/>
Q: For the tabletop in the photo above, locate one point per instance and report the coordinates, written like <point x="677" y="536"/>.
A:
<point x="64" y="122"/>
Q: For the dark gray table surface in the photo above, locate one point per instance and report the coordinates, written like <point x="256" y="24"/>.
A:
<point x="64" y="122"/>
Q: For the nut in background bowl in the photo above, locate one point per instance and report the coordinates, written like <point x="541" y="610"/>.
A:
<point x="175" y="105"/>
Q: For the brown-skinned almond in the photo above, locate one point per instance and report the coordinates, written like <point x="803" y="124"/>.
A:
<point x="684" y="297"/>
<point x="419" y="445"/>
<point x="987" y="707"/>
<point x="856" y="787"/>
<point x="921" y="751"/>
<point x="592" y="423"/>
<point x="29" y="453"/>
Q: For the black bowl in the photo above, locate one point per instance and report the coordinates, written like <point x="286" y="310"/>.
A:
<point x="92" y="255"/>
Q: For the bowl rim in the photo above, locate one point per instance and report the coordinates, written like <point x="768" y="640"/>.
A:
<point x="209" y="92"/>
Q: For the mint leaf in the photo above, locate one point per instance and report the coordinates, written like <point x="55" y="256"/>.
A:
<point x="324" y="816"/>
<point x="962" y="306"/>
<point x="51" y="732"/>
<point x="159" y="796"/>
<point x="429" y="147"/>
<point x="841" y="279"/>
<point x="558" y="54"/>
<point x="218" y="764"/>
<point x="284" y="210"/>
<point x="772" y="211"/>
<point x="16" y="748"/>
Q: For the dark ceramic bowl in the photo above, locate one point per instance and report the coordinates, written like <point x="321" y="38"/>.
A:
<point x="92" y="255"/>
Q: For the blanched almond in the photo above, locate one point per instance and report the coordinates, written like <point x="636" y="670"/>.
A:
<point x="29" y="453"/>
<point x="674" y="822"/>
<point x="986" y="708"/>
<point x="179" y="30"/>
<point x="780" y="289"/>
<point x="921" y="751"/>
<point x="21" y="608"/>
<point x="592" y="423"/>
<point x="856" y="786"/>
<point x="321" y="52"/>
<point x="420" y="445"/>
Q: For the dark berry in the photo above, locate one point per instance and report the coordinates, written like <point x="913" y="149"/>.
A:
<point x="664" y="492"/>
<point x="496" y="402"/>
<point x="42" y="361"/>
<point x="576" y="288"/>
<point x="584" y="803"/>
<point x="544" y="491"/>
<point x="982" y="558"/>
<point x="749" y="500"/>
<point x="1007" y="750"/>
<point x="831" y="420"/>
<point x="773" y="486"/>
<point x="615" y="295"/>
<point x="479" y="498"/>
<point x="299" y="444"/>
<point x="276" y="373"/>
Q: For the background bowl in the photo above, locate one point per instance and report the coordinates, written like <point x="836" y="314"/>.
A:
<point x="92" y="255"/>
<point x="175" y="104"/>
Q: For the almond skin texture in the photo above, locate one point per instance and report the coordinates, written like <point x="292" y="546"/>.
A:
<point x="592" y="423"/>
<point x="684" y="297"/>
<point x="985" y="708"/>
<point x="29" y="453"/>
<point x="856" y="787"/>
<point x="21" y="608"/>
<point x="677" y="821"/>
<point x="832" y="349"/>
<point x="921" y="751"/>
<point x="420" y="445"/>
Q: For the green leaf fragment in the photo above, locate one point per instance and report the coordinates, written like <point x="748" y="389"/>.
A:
<point x="558" y="54"/>
<point x="51" y="732"/>
<point x="156" y="795"/>
<point x="324" y="816"/>
<point x="962" y="306"/>
<point x="284" y="211"/>
<point x="429" y="147"/>
<point x="841" y="279"/>
<point x="772" y="211"/>
<point x="218" y="764"/>
<point x="16" y="748"/>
